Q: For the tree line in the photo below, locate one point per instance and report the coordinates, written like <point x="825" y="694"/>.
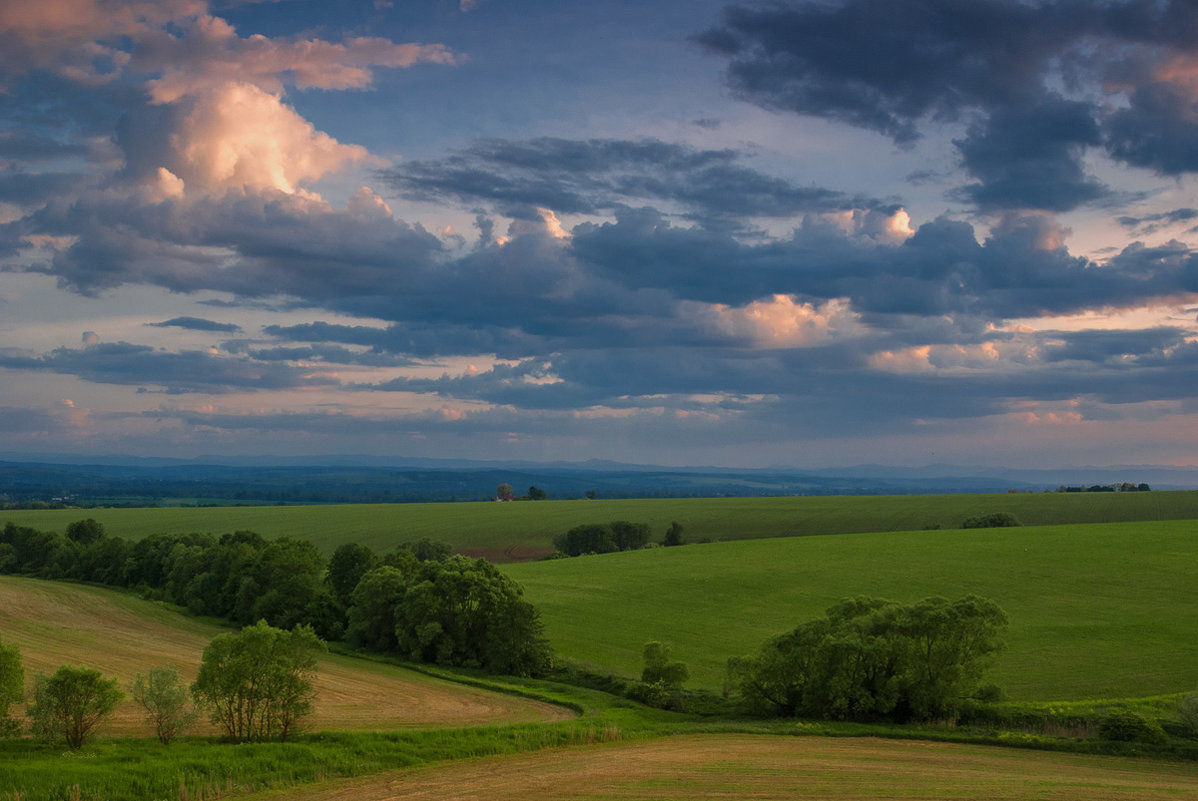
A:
<point x="433" y="606"/>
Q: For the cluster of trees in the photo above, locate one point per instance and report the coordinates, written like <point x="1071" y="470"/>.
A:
<point x="504" y="492"/>
<point x="619" y="535"/>
<point x="995" y="520"/>
<point x="874" y="659"/>
<point x="256" y="684"/>
<point x="454" y="612"/>
<point x="437" y="607"/>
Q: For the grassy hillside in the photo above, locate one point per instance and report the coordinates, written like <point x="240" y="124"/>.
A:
<point x="504" y="531"/>
<point x="55" y="623"/>
<point x="1096" y="611"/>
<point x="771" y="769"/>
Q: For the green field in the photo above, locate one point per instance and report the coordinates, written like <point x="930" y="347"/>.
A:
<point x="1097" y="611"/>
<point x="521" y="529"/>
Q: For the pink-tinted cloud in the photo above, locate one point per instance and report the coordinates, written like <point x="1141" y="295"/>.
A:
<point x="236" y="135"/>
<point x="210" y="53"/>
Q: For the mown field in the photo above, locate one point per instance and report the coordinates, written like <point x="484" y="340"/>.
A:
<point x="771" y="769"/>
<point x="512" y="531"/>
<point x="55" y="623"/>
<point x="1096" y="611"/>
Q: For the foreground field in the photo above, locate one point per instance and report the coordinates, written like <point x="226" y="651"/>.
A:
<point x="511" y="531"/>
<point x="1097" y="611"/>
<point x="769" y="769"/>
<point x="56" y="623"/>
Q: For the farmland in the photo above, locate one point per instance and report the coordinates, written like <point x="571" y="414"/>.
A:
<point x="1099" y="594"/>
<point x="510" y="531"/>
<point x="55" y="623"/>
<point x="1096" y="610"/>
<point x="772" y="769"/>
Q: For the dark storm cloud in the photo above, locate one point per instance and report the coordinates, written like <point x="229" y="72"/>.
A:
<point x="142" y="366"/>
<point x="1158" y="131"/>
<point x="1018" y="271"/>
<point x="887" y="64"/>
<point x="576" y="176"/>
<point x="1115" y="347"/>
<point x="196" y="324"/>
<point x="893" y="66"/>
<point x="1032" y="157"/>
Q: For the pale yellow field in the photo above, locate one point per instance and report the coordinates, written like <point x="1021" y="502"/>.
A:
<point x="55" y="623"/>
<point x="772" y="768"/>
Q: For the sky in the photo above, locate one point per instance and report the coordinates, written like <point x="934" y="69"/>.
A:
<point x="810" y="233"/>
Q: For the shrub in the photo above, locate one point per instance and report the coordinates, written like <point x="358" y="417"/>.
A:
<point x="1130" y="727"/>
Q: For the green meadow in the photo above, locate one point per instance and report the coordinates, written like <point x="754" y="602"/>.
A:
<point x="1096" y="611"/>
<point x="522" y="528"/>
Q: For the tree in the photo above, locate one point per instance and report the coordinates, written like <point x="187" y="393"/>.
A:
<point x="466" y="613"/>
<point x="629" y="536"/>
<point x="256" y="684"/>
<point x="12" y="686"/>
<point x="425" y="549"/>
<point x="165" y="700"/>
<point x="536" y="494"/>
<point x="347" y="565"/>
<point x="659" y="669"/>
<point x="673" y="535"/>
<point x="587" y="538"/>
<point x="85" y="532"/>
<point x="504" y="492"/>
<point x="371" y="613"/>
<point x="72" y="702"/>
<point x="869" y="658"/>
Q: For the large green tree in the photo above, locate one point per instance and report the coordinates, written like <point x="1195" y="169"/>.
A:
<point x="257" y="684"/>
<point x="464" y="612"/>
<point x="869" y="658"/>
<point x="72" y="702"/>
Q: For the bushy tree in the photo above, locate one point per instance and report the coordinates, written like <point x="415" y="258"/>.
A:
<point x="587" y="538"/>
<point x="1187" y="711"/>
<point x="72" y="702"/>
<point x="371" y="613"/>
<point x="467" y="613"/>
<point x="85" y="532"/>
<point x="427" y="550"/>
<point x="995" y="520"/>
<point x="673" y="535"/>
<point x="869" y="658"/>
<point x="164" y="698"/>
<point x="629" y="536"/>
<point x="256" y="684"/>
<point x="659" y="668"/>
<point x="347" y="565"/>
<point x="12" y="687"/>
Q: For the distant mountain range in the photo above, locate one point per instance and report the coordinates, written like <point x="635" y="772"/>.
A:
<point x="26" y="479"/>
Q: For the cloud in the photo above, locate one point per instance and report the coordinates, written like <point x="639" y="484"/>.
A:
<point x="123" y="363"/>
<point x="196" y="324"/>
<point x="208" y="54"/>
<point x="598" y="175"/>
<point x="1032" y="157"/>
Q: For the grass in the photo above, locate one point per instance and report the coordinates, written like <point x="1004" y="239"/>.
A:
<point x="1097" y="611"/>
<point x="770" y="769"/>
<point x="55" y="623"/>
<point x="506" y="531"/>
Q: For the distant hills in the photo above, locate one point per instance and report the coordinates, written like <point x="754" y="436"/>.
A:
<point x="118" y="480"/>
